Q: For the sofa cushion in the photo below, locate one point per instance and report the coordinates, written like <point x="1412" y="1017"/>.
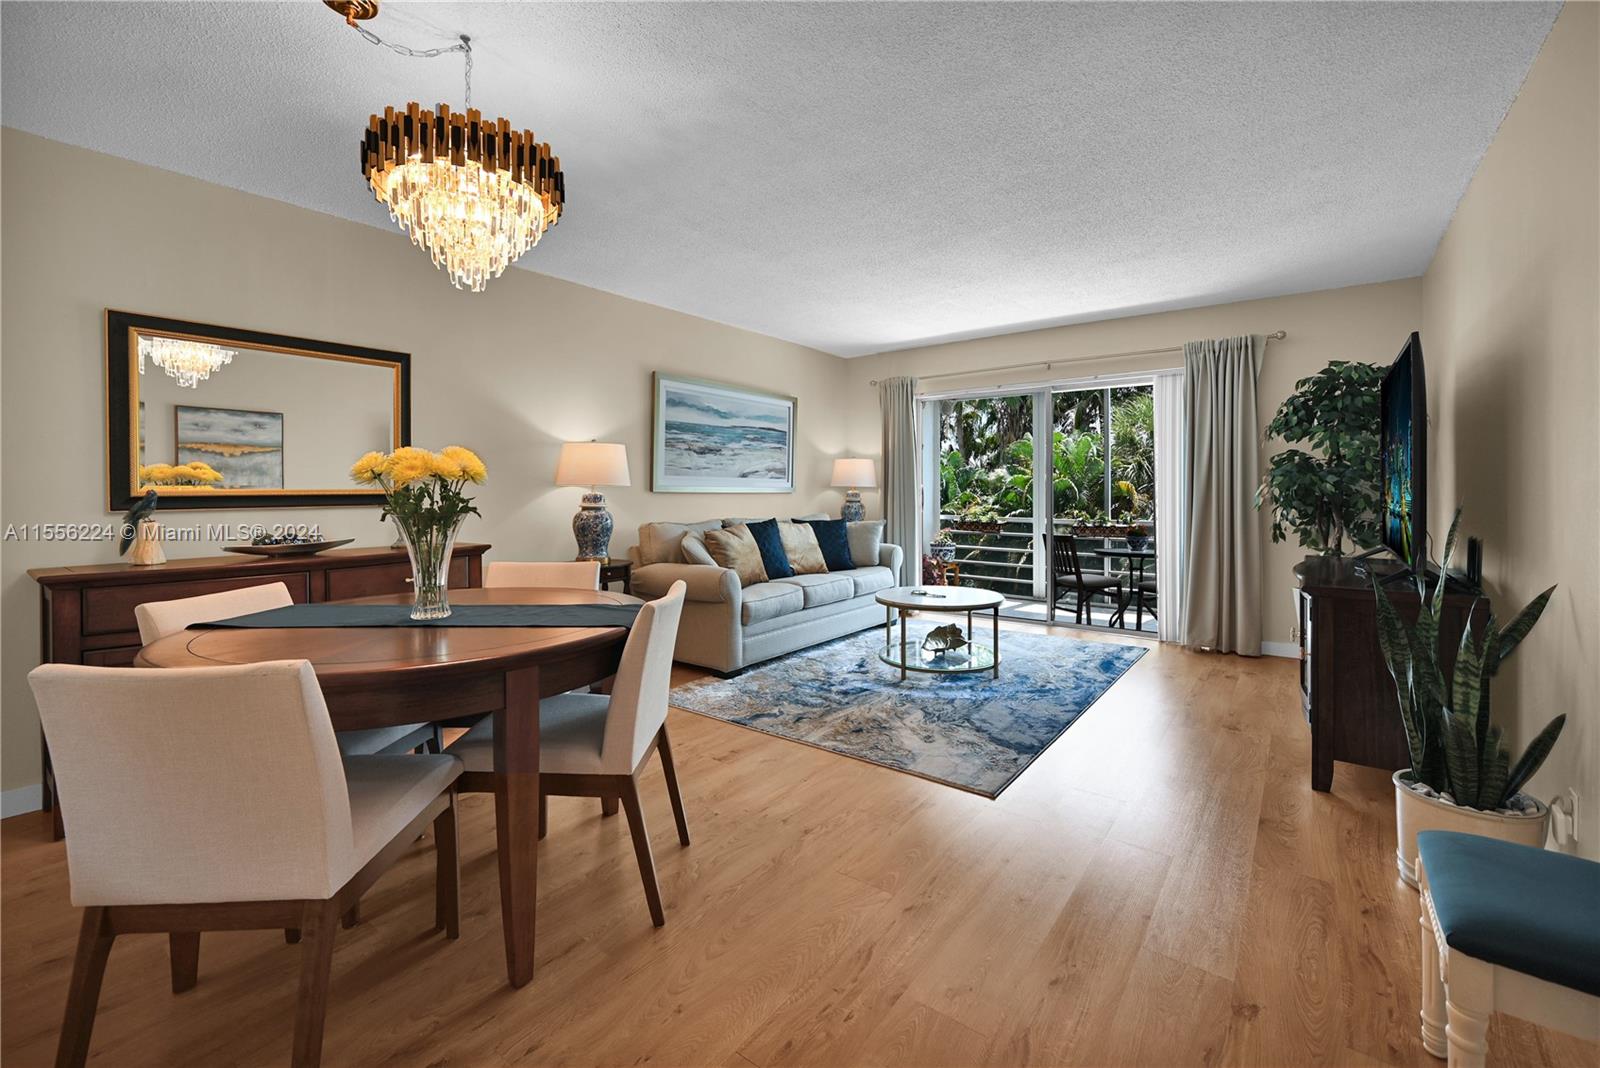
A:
<point x="800" y="546"/>
<point x="694" y="548"/>
<point x="770" y="542"/>
<point x="767" y="600"/>
<point x="833" y="538"/>
<point x="823" y="589"/>
<point x="865" y="539"/>
<point x="662" y="543"/>
<point x="867" y="580"/>
<point x="736" y="550"/>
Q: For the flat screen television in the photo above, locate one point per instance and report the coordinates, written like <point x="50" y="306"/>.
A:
<point x="1404" y="409"/>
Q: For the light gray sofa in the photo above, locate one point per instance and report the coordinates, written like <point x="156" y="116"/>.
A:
<point x="727" y="628"/>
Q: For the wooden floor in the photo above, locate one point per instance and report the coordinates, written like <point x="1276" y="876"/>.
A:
<point x="1161" y="887"/>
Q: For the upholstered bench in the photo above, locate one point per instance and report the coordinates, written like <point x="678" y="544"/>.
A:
<point x="1505" y="928"/>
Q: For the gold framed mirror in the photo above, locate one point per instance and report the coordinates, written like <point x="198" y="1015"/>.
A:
<point x="218" y="417"/>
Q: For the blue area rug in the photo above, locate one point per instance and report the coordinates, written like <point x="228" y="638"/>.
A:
<point x="973" y="732"/>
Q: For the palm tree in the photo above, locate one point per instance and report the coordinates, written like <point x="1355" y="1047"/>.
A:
<point x="1133" y="447"/>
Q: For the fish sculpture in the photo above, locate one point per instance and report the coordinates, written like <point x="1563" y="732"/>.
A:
<point x="945" y="639"/>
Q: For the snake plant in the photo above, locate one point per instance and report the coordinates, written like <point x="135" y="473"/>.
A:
<point x="1454" y="746"/>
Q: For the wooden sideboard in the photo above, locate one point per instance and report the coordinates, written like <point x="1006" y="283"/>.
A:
<point x="86" y="612"/>
<point x="1345" y="688"/>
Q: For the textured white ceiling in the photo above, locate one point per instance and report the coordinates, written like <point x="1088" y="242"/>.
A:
<point x="855" y="177"/>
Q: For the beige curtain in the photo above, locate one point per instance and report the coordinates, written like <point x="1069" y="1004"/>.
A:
<point x="898" y="397"/>
<point x="1222" y="556"/>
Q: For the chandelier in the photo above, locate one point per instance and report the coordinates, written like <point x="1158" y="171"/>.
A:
<point x="473" y="193"/>
<point x="190" y="362"/>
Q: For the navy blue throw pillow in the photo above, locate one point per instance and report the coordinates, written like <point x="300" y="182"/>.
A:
<point x="770" y="542"/>
<point x="834" y="538"/>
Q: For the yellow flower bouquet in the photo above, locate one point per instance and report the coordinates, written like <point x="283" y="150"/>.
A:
<point x="193" y="473"/>
<point x="425" y="494"/>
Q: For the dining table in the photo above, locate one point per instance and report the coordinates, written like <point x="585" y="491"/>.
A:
<point x="377" y="676"/>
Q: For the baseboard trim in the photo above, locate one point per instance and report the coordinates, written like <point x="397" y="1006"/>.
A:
<point x="22" y="799"/>
<point x="1290" y="650"/>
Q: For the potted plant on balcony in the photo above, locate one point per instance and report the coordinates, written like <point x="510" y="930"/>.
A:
<point x="1137" y="533"/>
<point x="1461" y="777"/>
<point x="979" y="517"/>
<point x="1095" y="525"/>
<point x="943" y="546"/>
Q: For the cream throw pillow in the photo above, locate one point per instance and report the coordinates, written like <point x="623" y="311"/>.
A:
<point x="735" y="548"/>
<point x="866" y="538"/>
<point x="800" y="546"/>
<point x="694" y="548"/>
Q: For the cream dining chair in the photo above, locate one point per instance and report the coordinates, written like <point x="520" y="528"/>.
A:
<point x="210" y="799"/>
<point x="567" y="574"/>
<point x="595" y="745"/>
<point x="157" y="619"/>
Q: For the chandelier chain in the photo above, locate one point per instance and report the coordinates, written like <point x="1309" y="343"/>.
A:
<point x="465" y="48"/>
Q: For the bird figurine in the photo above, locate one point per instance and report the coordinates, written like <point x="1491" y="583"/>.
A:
<point x="136" y="515"/>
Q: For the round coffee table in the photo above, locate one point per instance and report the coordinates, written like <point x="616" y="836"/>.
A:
<point x="968" y="599"/>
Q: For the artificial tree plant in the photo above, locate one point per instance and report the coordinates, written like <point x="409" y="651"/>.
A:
<point x="1455" y="748"/>
<point x="1331" y="491"/>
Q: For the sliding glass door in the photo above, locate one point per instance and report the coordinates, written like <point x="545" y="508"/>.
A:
<point x="1075" y="462"/>
<point x="985" y="474"/>
<point x="1102" y="507"/>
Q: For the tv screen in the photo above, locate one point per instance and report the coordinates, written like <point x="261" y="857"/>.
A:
<point x="1404" y="409"/>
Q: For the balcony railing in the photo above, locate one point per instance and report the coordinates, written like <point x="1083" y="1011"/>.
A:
<point x="1003" y="560"/>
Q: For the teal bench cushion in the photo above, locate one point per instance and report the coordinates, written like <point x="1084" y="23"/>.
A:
<point x="1530" y="910"/>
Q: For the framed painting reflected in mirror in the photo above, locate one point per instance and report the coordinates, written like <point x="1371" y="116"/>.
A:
<point x="219" y="417"/>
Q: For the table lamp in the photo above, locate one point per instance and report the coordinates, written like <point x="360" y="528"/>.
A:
<point x="592" y="464"/>
<point x="854" y="474"/>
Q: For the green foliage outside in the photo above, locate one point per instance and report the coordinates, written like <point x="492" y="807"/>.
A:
<point x="986" y="462"/>
<point x="986" y="473"/>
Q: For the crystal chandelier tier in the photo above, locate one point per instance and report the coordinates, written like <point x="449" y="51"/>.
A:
<point x="474" y="194"/>
<point x="190" y="362"/>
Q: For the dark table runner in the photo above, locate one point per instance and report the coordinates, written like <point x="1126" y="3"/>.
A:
<point x="466" y="615"/>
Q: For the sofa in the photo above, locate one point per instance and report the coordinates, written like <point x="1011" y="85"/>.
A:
<point x="727" y="627"/>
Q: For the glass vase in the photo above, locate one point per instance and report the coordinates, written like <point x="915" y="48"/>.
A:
<point x="429" y="546"/>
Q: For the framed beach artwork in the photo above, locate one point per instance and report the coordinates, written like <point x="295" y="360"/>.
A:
<point x="714" y="437"/>
<point x="245" y="447"/>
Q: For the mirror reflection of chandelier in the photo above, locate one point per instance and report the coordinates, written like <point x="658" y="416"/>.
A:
<point x="190" y="362"/>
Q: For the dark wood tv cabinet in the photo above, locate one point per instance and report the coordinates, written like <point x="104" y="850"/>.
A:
<point x="86" y="612"/>
<point x="1345" y="688"/>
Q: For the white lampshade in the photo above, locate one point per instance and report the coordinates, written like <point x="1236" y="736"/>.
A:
<point x="855" y="473"/>
<point x="592" y="463"/>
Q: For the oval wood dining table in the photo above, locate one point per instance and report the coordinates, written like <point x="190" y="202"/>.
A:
<point x="380" y="676"/>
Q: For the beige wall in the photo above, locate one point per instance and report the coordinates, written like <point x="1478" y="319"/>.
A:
<point x="1511" y="332"/>
<point x="510" y="372"/>
<point x="1367" y="323"/>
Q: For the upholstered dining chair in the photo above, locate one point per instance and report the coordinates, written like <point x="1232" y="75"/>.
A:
<point x="271" y="826"/>
<point x="1067" y="572"/>
<point x="595" y="745"/>
<point x="566" y="574"/>
<point x="157" y="619"/>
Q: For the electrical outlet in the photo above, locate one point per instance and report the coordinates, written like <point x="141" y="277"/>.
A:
<point x="1564" y="819"/>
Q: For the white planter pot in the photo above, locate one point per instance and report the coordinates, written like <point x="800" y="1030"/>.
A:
<point x="1415" y="812"/>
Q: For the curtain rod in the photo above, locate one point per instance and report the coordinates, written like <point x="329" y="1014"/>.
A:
<point x="1277" y="335"/>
